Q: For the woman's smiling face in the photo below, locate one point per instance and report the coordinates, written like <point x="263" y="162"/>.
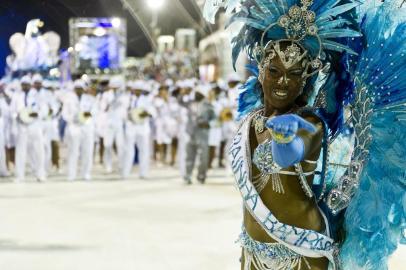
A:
<point x="282" y="86"/>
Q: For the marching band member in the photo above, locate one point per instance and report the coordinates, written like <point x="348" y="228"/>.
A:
<point x="50" y="122"/>
<point x="175" y="113"/>
<point x="138" y="129"/>
<point x="113" y="105"/>
<point x="54" y="132"/>
<point x="79" y="109"/>
<point x="28" y="113"/>
<point x="9" y="125"/>
<point x="215" y="131"/>
<point x="4" y="114"/>
<point x="165" y="124"/>
<point x="228" y="114"/>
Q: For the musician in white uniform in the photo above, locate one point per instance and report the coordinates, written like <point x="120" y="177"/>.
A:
<point x="4" y="116"/>
<point x="79" y="110"/>
<point x="28" y="113"/>
<point x="114" y="105"/>
<point x="215" y="131"/>
<point x="49" y="126"/>
<point x="229" y="114"/>
<point x="138" y="129"/>
<point x="165" y="124"/>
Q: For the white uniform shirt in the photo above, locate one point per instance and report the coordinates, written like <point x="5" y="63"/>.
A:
<point x="114" y="106"/>
<point x="73" y="106"/>
<point x="143" y="102"/>
<point x="31" y="101"/>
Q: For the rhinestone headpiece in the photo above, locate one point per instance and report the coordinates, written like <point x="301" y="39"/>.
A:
<point x="298" y="23"/>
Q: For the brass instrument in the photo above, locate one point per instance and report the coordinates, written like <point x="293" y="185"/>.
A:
<point x="226" y="115"/>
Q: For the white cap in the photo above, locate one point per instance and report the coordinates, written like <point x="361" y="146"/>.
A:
<point x="25" y="79"/>
<point x="129" y="84"/>
<point x="79" y="84"/>
<point x="141" y="85"/>
<point x="233" y="77"/>
<point x="3" y="81"/>
<point x="222" y="84"/>
<point x="203" y="89"/>
<point x="47" y="84"/>
<point x="190" y="83"/>
<point x="116" y="82"/>
<point x="169" y="82"/>
<point x="37" y="78"/>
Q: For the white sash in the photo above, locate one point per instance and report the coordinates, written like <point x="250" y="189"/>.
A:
<point x="308" y="243"/>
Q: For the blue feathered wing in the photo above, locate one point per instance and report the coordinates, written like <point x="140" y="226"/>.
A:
<point x="376" y="217"/>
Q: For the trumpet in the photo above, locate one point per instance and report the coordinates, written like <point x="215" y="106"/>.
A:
<point x="25" y="116"/>
<point x="226" y="115"/>
<point x="84" y="117"/>
<point x="138" y="115"/>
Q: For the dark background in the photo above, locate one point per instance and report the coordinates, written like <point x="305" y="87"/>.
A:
<point x="14" y="15"/>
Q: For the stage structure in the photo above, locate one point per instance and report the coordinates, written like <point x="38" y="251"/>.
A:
<point x="33" y="52"/>
<point x="98" y="45"/>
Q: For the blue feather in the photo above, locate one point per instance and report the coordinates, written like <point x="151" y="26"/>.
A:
<point x="335" y="46"/>
<point x="338" y="33"/>
<point x="375" y="218"/>
<point x="330" y="13"/>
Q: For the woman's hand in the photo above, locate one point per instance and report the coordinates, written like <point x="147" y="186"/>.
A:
<point x="289" y="124"/>
<point x="287" y="147"/>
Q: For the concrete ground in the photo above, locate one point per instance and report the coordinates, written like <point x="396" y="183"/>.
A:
<point x="111" y="224"/>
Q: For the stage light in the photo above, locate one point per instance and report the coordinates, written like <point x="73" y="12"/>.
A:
<point x="99" y="31"/>
<point x="155" y="4"/>
<point x="116" y="22"/>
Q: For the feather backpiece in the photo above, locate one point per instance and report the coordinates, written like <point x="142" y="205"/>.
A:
<point x="376" y="217"/>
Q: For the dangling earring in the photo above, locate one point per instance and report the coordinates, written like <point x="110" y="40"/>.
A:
<point x="303" y="86"/>
<point x="261" y="75"/>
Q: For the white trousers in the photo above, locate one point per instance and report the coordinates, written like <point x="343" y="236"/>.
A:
<point x="80" y="142"/>
<point x="113" y="134"/>
<point x="3" y="165"/>
<point x="50" y="134"/>
<point x="30" y="141"/>
<point x="142" y="138"/>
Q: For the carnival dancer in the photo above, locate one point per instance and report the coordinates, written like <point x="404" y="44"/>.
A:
<point x="200" y="113"/>
<point x="79" y="110"/>
<point x="138" y="129"/>
<point x="28" y="113"/>
<point x="113" y="104"/>
<point x="305" y="55"/>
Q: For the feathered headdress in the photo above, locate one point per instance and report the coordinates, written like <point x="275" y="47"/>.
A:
<point x="320" y="28"/>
